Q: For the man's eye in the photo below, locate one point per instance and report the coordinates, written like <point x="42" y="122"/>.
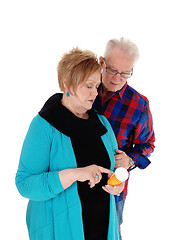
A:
<point x="112" y="70"/>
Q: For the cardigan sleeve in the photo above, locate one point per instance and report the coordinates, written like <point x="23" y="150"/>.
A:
<point x="33" y="178"/>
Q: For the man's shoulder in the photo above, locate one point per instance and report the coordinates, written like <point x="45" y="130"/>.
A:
<point x="136" y="96"/>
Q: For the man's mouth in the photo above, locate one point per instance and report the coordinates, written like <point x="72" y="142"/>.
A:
<point x="114" y="83"/>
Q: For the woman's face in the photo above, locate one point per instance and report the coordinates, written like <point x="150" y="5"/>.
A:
<point x="86" y="93"/>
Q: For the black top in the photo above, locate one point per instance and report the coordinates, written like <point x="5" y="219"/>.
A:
<point x="89" y="149"/>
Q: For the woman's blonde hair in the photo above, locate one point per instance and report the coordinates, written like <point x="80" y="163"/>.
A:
<point x="75" y="67"/>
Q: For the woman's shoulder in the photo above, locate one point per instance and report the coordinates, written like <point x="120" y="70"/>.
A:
<point x="39" y="126"/>
<point x="38" y="121"/>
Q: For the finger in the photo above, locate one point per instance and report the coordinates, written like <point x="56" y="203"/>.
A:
<point x="122" y="185"/>
<point x="92" y="182"/>
<point x="105" y="170"/>
<point x="105" y="189"/>
<point x="117" y="161"/>
<point x="110" y="189"/>
<point x="117" y="192"/>
<point x="117" y="157"/>
<point x="118" y="151"/>
<point x="118" y="165"/>
<point x="110" y="174"/>
<point x="119" y="188"/>
<point x="98" y="177"/>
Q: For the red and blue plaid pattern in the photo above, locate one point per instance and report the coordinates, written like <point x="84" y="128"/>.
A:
<point x="129" y="115"/>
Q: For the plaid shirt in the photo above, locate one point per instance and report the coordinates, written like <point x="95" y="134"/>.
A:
<point x="129" y="115"/>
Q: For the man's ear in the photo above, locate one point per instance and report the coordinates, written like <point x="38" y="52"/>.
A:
<point x="101" y="60"/>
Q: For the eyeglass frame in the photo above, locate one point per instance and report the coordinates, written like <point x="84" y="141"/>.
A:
<point x="117" y="72"/>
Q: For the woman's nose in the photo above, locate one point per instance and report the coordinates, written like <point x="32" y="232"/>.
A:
<point x="94" y="92"/>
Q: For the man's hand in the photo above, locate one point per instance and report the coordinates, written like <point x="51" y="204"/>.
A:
<point x="122" y="159"/>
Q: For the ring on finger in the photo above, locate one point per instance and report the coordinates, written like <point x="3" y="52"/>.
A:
<point x="96" y="176"/>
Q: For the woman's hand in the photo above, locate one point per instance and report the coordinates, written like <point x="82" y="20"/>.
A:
<point x="114" y="190"/>
<point x="92" y="173"/>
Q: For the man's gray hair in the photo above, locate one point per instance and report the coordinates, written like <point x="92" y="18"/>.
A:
<point x="125" y="45"/>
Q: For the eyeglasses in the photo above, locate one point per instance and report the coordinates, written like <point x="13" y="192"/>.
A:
<point x="115" y="72"/>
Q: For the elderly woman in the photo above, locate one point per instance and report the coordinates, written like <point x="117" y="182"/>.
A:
<point x="67" y="156"/>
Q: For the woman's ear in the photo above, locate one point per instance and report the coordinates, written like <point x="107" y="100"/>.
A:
<point x="64" y="83"/>
<point x="67" y="90"/>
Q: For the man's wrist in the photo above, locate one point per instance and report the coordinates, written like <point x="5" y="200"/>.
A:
<point x="132" y="164"/>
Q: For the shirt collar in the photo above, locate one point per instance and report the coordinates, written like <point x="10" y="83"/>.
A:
<point x="122" y="90"/>
<point x="119" y="92"/>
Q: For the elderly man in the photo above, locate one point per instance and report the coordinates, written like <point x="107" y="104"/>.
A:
<point x="127" y="111"/>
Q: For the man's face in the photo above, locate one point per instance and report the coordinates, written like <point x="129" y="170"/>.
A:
<point x="117" y="61"/>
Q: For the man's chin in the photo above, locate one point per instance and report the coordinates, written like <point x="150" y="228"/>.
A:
<point x="114" y="88"/>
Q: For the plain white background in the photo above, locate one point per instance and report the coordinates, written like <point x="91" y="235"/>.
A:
<point x="34" y="35"/>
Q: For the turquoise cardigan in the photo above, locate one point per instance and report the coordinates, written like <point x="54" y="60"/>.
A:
<point x="54" y="212"/>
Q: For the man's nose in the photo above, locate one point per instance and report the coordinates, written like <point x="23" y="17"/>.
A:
<point x="117" y="76"/>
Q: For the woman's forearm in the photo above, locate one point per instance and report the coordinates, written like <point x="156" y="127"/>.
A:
<point x="67" y="177"/>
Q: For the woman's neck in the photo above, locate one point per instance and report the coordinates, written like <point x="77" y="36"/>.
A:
<point x="76" y="111"/>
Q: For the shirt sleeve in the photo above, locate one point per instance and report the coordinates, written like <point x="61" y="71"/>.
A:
<point x="33" y="178"/>
<point x="144" y="139"/>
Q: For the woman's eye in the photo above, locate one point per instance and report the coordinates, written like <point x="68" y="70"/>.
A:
<point x="88" y="86"/>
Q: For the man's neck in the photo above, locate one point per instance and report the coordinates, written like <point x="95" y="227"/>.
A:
<point x="106" y="94"/>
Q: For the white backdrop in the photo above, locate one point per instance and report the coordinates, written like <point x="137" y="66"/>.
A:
<point x="34" y="34"/>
